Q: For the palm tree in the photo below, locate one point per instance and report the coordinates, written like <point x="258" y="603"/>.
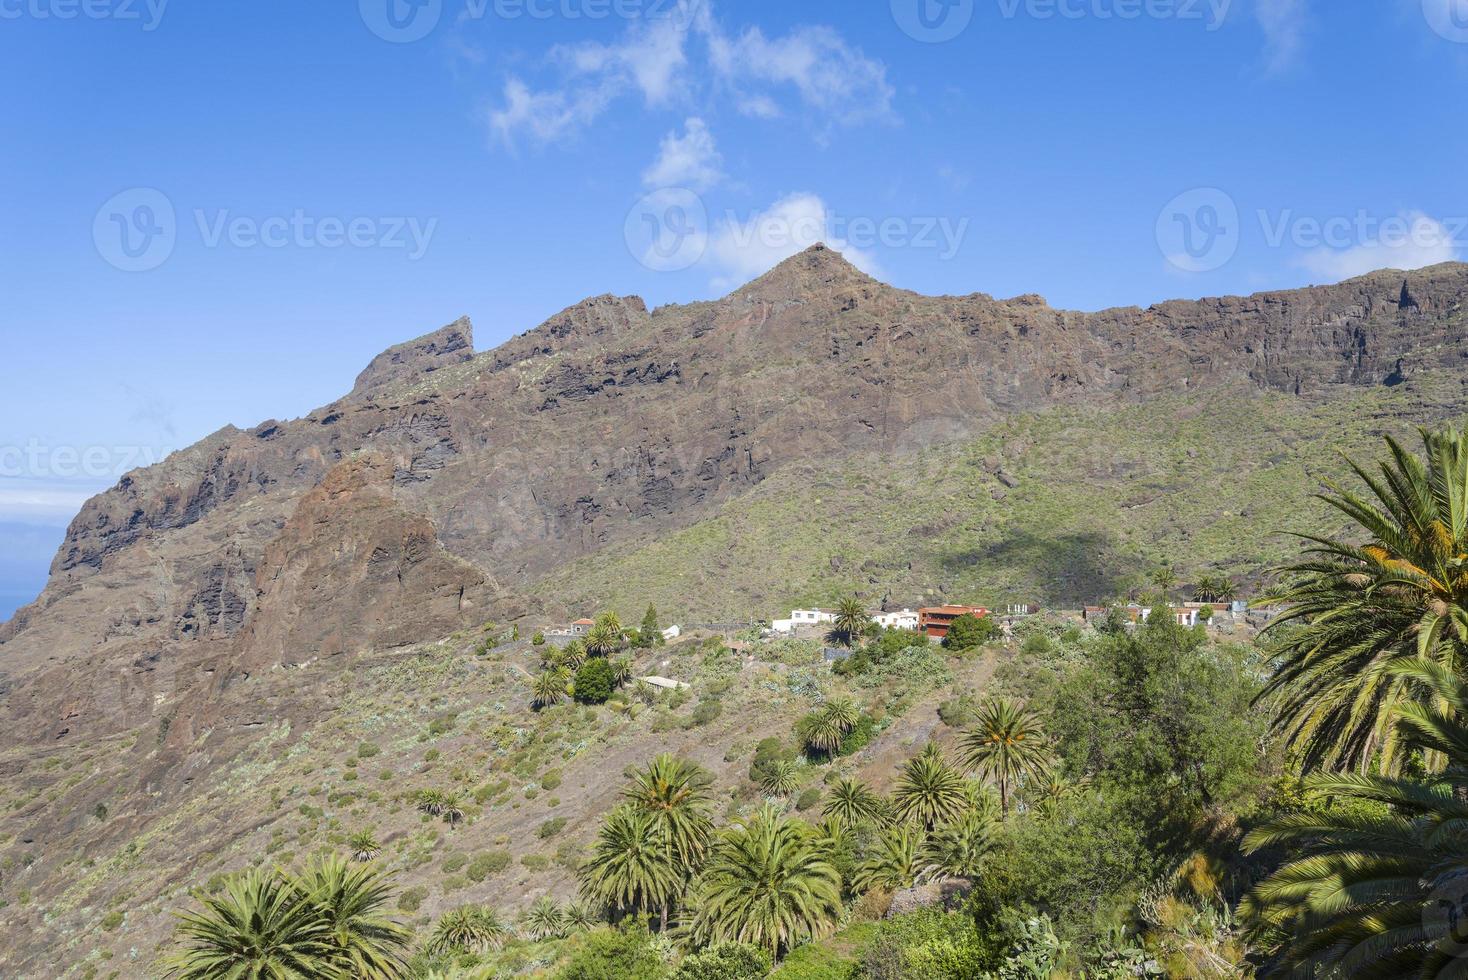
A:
<point x="822" y="731"/>
<point x="261" y="927"/>
<point x="853" y="802"/>
<point x="1353" y="608"/>
<point x="1374" y="892"/>
<point x="929" y="791"/>
<point x="581" y="915"/>
<point x="674" y="793"/>
<point x="1005" y="745"/>
<point x="1164" y="578"/>
<point x="550" y="687"/>
<point x="606" y="636"/>
<point x="781" y="778"/>
<point x="364" y="845"/>
<point x="467" y="929"/>
<point x="630" y="866"/>
<point x="572" y="655"/>
<point x="1206" y="589"/>
<point x="621" y="670"/>
<point x="1227" y="591"/>
<point x="545" y="920"/>
<point x="766" y="884"/>
<point x="895" y="862"/>
<point x="851" y="621"/>
<point x="351" y="900"/>
<point x="956" y="850"/>
<point x="431" y="801"/>
<point x="452" y="811"/>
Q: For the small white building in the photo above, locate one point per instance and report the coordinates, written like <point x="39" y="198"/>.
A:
<point x="803" y="617"/>
<point x="907" y="619"/>
<point x="672" y="632"/>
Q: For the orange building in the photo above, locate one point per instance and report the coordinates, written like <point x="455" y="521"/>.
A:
<point x="935" y="620"/>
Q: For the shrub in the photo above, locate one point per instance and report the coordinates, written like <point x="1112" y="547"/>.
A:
<point x="607" y="954"/>
<point x="959" y="712"/>
<point x="535" y="862"/>
<point x="706" y="712"/>
<point x="551" y="827"/>
<point x="486" y="864"/>
<point x="859" y="737"/>
<point x="455" y="862"/>
<point x="725" y="961"/>
<point x="550" y="780"/>
<point x="930" y="944"/>
<point x="809" y="798"/>
<point x="767" y="755"/>
<point x="412" y="899"/>
<point x="969" y="631"/>
<point x="594" y="681"/>
<point x="538" y="639"/>
<point x="367" y="750"/>
<point x="112" y="920"/>
<point x="443" y="724"/>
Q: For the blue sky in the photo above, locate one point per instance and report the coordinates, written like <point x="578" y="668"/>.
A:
<point x="217" y="213"/>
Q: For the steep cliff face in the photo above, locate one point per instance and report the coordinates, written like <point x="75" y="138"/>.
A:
<point x="610" y="422"/>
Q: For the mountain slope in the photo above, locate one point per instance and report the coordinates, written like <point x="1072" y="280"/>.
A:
<point x="815" y="432"/>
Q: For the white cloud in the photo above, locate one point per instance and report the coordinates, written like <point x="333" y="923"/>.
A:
<point x="29" y="501"/>
<point x="829" y="75"/>
<point x="691" y="160"/>
<point x="1411" y="241"/>
<point x="741" y="250"/>
<point x="687" y="57"/>
<point x="1283" y="22"/>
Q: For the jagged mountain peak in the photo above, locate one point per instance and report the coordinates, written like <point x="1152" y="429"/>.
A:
<point x="818" y="268"/>
<point x="448" y="345"/>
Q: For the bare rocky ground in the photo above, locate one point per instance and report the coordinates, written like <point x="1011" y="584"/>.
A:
<point x="445" y="715"/>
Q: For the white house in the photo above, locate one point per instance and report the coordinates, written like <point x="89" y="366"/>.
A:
<point x="803" y="617"/>
<point x="907" y="619"/>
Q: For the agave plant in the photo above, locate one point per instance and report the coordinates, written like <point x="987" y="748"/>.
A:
<point x="1373" y="893"/>
<point x="1352" y="608"/>
<point x="545" y="920"/>
<point x="364" y="845"/>
<point x="467" y="929"/>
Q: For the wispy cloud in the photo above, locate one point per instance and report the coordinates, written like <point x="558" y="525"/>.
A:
<point x="691" y="160"/>
<point x="1420" y="242"/>
<point x="1284" y="23"/>
<point x="740" y="250"/>
<point x="687" y="57"/>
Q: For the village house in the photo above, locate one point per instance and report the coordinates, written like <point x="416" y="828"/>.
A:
<point x="935" y="620"/>
<point x="1186" y="615"/>
<point x="907" y="619"/>
<point x="803" y="617"/>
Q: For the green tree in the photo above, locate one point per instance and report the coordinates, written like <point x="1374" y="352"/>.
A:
<point x="467" y="929"/>
<point x="545" y="919"/>
<point x="1352" y="607"/>
<point x="594" y="681"/>
<point x="725" y="961"/>
<point x="1376" y="889"/>
<point x="612" y="954"/>
<point x="781" y="777"/>
<point x="957" y="849"/>
<point x="261" y="927"/>
<point x="550" y="686"/>
<point x="851" y="622"/>
<point x="929" y="791"/>
<point x="854" y="803"/>
<point x="1005" y="745"/>
<point x="823" y="730"/>
<point x="969" y="631"/>
<point x="351" y="901"/>
<point x="650" y="634"/>
<point x="621" y="670"/>
<point x="364" y="845"/>
<point x="766" y="884"/>
<point x="631" y="867"/>
<point x="893" y="863"/>
<point x="674" y="793"/>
